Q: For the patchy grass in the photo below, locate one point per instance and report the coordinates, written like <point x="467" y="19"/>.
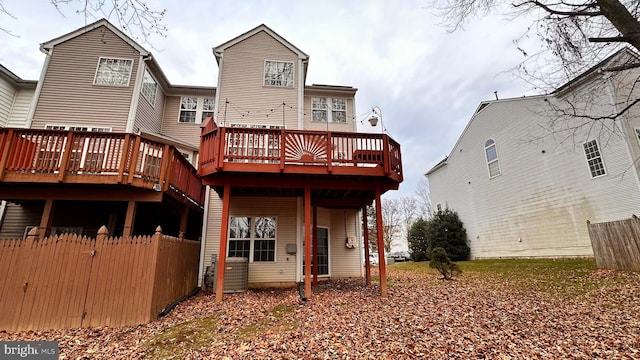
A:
<point x="277" y="321"/>
<point x="172" y="343"/>
<point x="565" y="277"/>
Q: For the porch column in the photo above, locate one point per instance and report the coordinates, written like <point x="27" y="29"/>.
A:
<point x="315" y="246"/>
<point x="367" y="265"/>
<point x="224" y="228"/>
<point x="128" y="220"/>
<point x="379" y="228"/>
<point x="47" y="218"/>
<point x="307" y="240"/>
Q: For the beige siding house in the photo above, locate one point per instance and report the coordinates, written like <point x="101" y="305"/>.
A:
<point x="109" y="94"/>
<point x="525" y="181"/>
<point x="246" y="99"/>
<point x="113" y="142"/>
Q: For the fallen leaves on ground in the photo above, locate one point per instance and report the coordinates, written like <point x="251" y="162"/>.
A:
<point x="476" y="316"/>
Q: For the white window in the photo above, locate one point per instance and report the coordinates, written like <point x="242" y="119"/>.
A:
<point x="321" y="112"/>
<point x="278" y="73"/>
<point x="246" y="144"/>
<point x="492" y="158"/>
<point x="113" y="72"/>
<point x="195" y="109"/>
<point x="319" y="109"/>
<point x="253" y="238"/>
<point x="594" y="158"/>
<point x="149" y="88"/>
<point x="339" y="110"/>
<point x="77" y="128"/>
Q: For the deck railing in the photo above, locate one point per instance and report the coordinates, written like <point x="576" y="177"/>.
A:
<point x="221" y="145"/>
<point x="29" y="155"/>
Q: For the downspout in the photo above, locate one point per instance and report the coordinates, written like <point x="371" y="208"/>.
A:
<point x="300" y="106"/>
<point x="217" y="100"/>
<point x="136" y="93"/>
<point x="203" y="238"/>
<point x="36" y="94"/>
<point x="610" y="92"/>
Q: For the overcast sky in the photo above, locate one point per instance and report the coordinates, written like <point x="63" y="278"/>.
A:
<point x="426" y="81"/>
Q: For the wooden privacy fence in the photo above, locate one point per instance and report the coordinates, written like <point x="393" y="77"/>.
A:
<point x="71" y="281"/>
<point x="616" y="244"/>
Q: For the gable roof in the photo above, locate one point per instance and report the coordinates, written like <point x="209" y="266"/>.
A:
<point x="45" y="47"/>
<point x="15" y="79"/>
<point x="597" y="68"/>
<point x="218" y="50"/>
<point x="580" y="79"/>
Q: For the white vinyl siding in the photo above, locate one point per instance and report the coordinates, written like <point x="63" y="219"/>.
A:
<point x="540" y="204"/>
<point x="594" y="158"/>
<point x="7" y="94"/>
<point x="113" y="72"/>
<point x="492" y="158"/>
<point x="20" y="109"/>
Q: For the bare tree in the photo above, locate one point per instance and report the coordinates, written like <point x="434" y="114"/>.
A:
<point x="134" y="17"/>
<point x="575" y="36"/>
<point x="423" y="199"/>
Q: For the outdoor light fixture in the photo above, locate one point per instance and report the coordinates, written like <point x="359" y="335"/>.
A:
<point x="376" y="114"/>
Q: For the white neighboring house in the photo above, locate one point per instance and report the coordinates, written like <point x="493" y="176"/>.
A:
<point x="525" y="186"/>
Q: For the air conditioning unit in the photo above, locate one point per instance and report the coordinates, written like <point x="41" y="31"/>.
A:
<point x="236" y="275"/>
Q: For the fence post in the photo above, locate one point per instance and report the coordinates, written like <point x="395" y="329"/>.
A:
<point x="155" y="248"/>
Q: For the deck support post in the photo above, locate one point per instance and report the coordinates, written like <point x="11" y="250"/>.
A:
<point x="307" y="240"/>
<point x="47" y="218"/>
<point x="380" y="234"/>
<point x="132" y="206"/>
<point x="184" y="217"/>
<point x="315" y="246"/>
<point x="365" y="229"/>
<point x="224" y="228"/>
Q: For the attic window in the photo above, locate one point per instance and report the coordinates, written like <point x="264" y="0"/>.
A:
<point x="278" y="73"/>
<point x="113" y="72"/>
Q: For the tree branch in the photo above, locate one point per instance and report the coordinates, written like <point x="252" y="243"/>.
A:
<point x="549" y="10"/>
<point x="609" y="39"/>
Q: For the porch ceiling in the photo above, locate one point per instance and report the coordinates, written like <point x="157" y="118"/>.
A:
<point x="17" y="192"/>
<point x="326" y="191"/>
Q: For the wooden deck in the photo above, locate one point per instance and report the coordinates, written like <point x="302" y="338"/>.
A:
<point x="341" y="166"/>
<point x="32" y="157"/>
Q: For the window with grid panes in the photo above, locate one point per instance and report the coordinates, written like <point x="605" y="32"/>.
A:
<point x="594" y="158"/>
<point x="253" y="238"/>
<point x="113" y="72"/>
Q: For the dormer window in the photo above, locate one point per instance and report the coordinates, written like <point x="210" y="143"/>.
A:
<point x="278" y="73"/>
